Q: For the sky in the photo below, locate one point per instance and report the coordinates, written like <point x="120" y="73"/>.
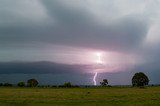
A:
<point x="58" y="40"/>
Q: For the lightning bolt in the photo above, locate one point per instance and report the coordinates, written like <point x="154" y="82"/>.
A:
<point x="99" y="62"/>
<point x="94" y="78"/>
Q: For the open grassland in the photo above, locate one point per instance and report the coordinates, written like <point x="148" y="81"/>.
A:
<point x="113" y="96"/>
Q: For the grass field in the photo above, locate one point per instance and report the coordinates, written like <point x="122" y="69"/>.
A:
<point x="113" y="96"/>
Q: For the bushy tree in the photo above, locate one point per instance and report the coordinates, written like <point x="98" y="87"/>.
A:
<point x="21" y="84"/>
<point x="32" y="83"/>
<point x="104" y="82"/>
<point x="140" y="79"/>
<point x="67" y="84"/>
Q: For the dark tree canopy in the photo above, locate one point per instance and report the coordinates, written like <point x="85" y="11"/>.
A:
<point x="67" y="84"/>
<point x="140" y="79"/>
<point x="32" y="83"/>
<point x="21" y="84"/>
<point x="7" y="84"/>
<point x="104" y="82"/>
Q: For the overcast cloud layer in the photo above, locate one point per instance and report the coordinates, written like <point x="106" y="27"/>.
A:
<point x="66" y="31"/>
<point x="121" y="25"/>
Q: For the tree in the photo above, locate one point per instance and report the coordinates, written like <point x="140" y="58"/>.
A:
<point x="21" y="84"/>
<point x="32" y="83"/>
<point x="104" y="82"/>
<point x="7" y="84"/>
<point x="140" y="79"/>
<point x="1" y="84"/>
<point x="67" y="84"/>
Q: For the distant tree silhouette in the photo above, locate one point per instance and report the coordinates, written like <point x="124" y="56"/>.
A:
<point x="7" y="84"/>
<point x="67" y="84"/>
<point x="1" y="84"/>
<point x="104" y="82"/>
<point x="140" y="79"/>
<point x="32" y="83"/>
<point x="21" y="84"/>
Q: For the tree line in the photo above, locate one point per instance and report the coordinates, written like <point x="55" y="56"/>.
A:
<point x="139" y="80"/>
<point x="30" y="83"/>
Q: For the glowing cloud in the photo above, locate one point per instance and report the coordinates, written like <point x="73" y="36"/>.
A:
<point x="99" y="60"/>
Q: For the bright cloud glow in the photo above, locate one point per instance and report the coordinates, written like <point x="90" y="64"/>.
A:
<point x="99" y="58"/>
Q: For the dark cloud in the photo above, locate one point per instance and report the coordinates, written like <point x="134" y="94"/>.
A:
<point x="39" y="68"/>
<point x="55" y="73"/>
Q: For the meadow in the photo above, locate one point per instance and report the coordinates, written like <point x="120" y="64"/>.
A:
<point x="108" y="96"/>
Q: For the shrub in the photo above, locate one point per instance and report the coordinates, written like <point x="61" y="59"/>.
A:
<point x="104" y="82"/>
<point x="32" y="83"/>
<point x="21" y="84"/>
<point x="67" y="84"/>
<point x="7" y="84"/>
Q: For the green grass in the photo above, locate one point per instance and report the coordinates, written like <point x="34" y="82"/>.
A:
<point x="114" y="96"/>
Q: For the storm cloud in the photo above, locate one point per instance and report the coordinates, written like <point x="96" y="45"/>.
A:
<point x="69" y="23"/>
<point x="65" y="32"/>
